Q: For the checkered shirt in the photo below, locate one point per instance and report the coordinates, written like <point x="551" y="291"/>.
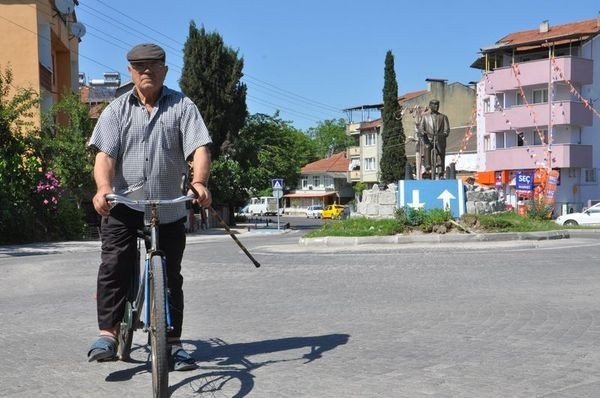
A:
<point x="151" y="149"/>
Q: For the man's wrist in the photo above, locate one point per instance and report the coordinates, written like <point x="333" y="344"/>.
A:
<point x="201" y="183"/>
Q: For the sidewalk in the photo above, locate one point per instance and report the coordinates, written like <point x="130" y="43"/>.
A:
<point x="449" y="238"/>
<point x="334" y="241"/>
<point x="40" y="248"/>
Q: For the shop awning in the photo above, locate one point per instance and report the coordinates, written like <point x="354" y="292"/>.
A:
<point x="309" y="194"/>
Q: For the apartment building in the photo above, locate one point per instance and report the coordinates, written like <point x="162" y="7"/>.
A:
<point x="39" y="41"/>
<point x="537" y="106"/>
<point x="457" y="101"/>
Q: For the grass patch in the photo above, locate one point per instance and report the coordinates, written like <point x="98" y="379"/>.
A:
<point x="434" y="221"/>
<point x="512" y="222"/>
<point x="361" y="226"/>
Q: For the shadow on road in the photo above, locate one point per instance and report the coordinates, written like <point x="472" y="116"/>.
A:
<point x="231" y="368"/>
<point x="235" y="368"/>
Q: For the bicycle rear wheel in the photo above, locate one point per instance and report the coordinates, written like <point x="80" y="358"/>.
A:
<point x="158" y="328"/>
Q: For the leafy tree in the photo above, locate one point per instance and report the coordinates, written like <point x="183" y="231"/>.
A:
<point x="211" y="78"/>
<point x="393" y="157"/>
<point x="19" y="165"/>
<point x="64" y="150"/>
<point x="330" y="137"/>
<point x="268" y="148"/>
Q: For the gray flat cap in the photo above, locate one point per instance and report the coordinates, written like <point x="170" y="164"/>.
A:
<point x="146" y="52"/>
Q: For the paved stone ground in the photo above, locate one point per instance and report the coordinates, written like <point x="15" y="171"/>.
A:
<point x="509" y="319"/>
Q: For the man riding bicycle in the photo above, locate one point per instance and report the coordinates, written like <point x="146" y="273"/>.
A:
<point x="144" y="140"/>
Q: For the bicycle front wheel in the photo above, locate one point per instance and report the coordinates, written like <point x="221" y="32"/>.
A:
<point x="158" y="328"/>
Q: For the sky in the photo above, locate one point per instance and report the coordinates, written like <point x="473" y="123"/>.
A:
<point x="311" y="59"/>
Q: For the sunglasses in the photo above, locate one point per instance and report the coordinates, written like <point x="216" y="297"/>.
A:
<point x="142" y="66"/>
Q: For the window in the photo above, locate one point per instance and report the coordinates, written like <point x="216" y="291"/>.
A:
<point x="328" y="182"/>
<point x="519" y="100"/>
<point x="316" y="181"/>
<point x="486" y="143"/>
<point x="590" y="175"/>
<point x="520" y="140"/>
<point x="370" y="139"/>
<point x="486" y="105"/>
<point x="499" y="105"/>
<point x="540" y="96"/>
<point x="304" y="182"/>
<point x="369" y="163"/>
<point x="500" y="140"/>
<point x="537" y="139"/>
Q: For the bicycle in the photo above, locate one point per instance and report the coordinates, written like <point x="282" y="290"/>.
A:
<point x="147" y="305"/>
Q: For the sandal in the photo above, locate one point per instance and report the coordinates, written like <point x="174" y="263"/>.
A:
<point x="181" y="360"/>
<point x="103" y="349"/>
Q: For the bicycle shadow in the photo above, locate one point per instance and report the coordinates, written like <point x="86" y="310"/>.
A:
<point x="222" y="363"/>
<point x="232" y="360"/>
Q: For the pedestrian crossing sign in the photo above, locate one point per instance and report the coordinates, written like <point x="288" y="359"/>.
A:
<point x="277" y="183"/>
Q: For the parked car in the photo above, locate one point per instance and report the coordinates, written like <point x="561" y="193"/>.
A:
<point x="314" y="211"/>
<point x="333" y="211"/>
<point x="589" y="216"/>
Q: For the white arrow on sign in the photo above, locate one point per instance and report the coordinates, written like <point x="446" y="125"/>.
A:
<point x="415" y="200"/>
<point x="446" y="196"/>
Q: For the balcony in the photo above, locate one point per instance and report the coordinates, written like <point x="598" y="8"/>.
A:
<point x="576" y="70"/>
<point x="355" y="175"/>
<point x="353" y="152"/>
<point x="517" y="158"/>
<point x="521" y="116"/>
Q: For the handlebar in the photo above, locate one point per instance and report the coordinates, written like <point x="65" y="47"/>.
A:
<point x="114" y="198"/>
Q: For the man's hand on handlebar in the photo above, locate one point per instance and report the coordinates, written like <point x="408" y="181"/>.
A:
<point x="100" y="203"/>
<point x="204" y="198"/>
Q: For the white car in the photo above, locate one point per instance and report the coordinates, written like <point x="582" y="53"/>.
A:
<point x="590" y="216"/>
<point x="314" y="211"/>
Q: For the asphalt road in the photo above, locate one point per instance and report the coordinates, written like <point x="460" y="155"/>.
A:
<point x="502" y="319"/>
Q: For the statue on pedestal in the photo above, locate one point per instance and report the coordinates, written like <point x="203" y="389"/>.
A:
<point x="433" y="129"/>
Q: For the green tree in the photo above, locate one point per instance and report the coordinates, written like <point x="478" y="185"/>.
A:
<point x="211" y="77"/>
<point x="330" y="137"/>
<point x="267" y="148"/>
<point x="19" y="163"/>
<point x="270" y="147"/>
<point x="393" y="157"/>
<point x="64" y="150"/>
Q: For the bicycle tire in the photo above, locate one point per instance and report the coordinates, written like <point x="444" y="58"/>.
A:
<point x="158" y="328"/>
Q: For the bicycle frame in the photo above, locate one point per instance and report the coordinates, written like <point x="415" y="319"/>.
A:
<point x="150" y="237"/>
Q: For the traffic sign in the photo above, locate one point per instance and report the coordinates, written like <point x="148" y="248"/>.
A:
<point x="432" y="194"/>
<point x="277" y="183"/>
<point x="277" y="193"/>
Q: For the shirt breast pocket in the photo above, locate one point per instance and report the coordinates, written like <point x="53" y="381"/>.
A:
<point x="171" y="138"/>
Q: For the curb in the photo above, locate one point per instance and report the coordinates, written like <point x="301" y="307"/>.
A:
<point x="438" y="238"/>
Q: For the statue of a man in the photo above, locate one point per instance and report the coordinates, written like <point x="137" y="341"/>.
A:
<point x="433" y="128"/>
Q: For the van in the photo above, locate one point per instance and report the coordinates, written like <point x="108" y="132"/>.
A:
<point x="263" y="206"/>
<point x="314" y="211"/>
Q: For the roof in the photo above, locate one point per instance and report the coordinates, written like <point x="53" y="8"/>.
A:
<point x="408" y="96"/>
<point x="370" y="125"/>
<point x="401" y="98"/>
<point x="560" y="33"/>
<point x="335" y="163"/>
<point x="308" y="194"/>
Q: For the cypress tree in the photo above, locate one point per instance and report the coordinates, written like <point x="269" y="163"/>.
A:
<point x="393" y="157"/>
<point x="211" y="77"/>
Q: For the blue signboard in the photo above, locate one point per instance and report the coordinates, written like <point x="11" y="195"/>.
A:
<point x="432" y="194"/>
<point x="524" y="181"/>
<point x="277" y="183"/>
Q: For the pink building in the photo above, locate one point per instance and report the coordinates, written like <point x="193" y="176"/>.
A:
<point x="537" y="107"/>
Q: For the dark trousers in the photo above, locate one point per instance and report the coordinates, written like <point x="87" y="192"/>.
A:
<point x="119" y="249"/>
